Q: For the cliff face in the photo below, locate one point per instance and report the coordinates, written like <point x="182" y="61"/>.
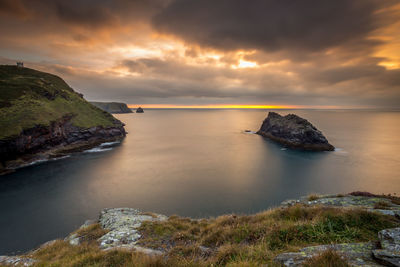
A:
<point x="295" y="132"/>
<point x="113" y="107"/>
<point x="42" y="117"/>
<point x="60" y="135"/>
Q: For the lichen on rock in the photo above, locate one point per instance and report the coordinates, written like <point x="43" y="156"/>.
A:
<point x="122" y="224"/>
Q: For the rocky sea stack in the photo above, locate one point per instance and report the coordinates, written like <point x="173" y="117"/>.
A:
<point x="42" y="117"/>
<point x="139" y="110"/>
<point x="113" y="107"/>
<point x="294" y="132"/>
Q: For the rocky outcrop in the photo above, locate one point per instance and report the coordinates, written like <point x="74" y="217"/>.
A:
<point x="139" y="110"/>
<point x="45" y="142"/>
<point x="294" y="132"/>
<point x="385" y="253"/>
<point x="373" y="203"/>
<point x="123" y="224"/>
<point x="356" y="254"/>
<point x="16" y="261"/>
<point x="390" y="243"/>
<point x="113" y="107"/>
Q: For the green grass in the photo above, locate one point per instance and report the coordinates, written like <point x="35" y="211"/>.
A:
<point x="313" y="197"/>
<point x="328" y="258"/>
<point x="29" y="98"/>
<point x="230" y="240"/>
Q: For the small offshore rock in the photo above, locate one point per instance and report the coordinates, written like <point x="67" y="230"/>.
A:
<point x="139" y="110"/>
<point x="295" y="132"/>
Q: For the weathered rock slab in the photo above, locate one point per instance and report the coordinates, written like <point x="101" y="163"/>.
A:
<point x="16" y="261"/>
<point x="389" y="258"/>
<point x="390" y="243"/>
<point x="123" y="224"/>
<point x="357" y="254"/>
<point x="349" y="201"/>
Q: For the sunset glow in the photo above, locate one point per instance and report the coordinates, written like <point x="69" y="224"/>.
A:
<point x="227" y="106"/>
<point x="169" y="53"/>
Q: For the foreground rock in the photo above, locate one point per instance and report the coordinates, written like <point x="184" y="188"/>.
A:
<point x="42" y="117"/>
<point x="390" y="243"/>
<point x="373" y="203"/>
<point x="16" y="261"/>
<point x="113" y="107"/>
<point x="356" y="254"/>
<point x="294" y="132"/>
<point x="123" y="224"/>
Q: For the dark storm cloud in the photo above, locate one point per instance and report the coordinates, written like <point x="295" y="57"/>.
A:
<point x="310" y="52"/>
<point x="83" y="13"/>
<point x="13" y="7"/>
<point x="271" y="24"/>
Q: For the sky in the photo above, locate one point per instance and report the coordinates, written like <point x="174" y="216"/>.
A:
<point x="212" y="53"/>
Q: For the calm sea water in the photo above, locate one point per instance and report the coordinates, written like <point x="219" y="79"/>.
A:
<point x="197" y="163"/>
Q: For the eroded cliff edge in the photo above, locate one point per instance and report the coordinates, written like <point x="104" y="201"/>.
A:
<point x="42" y="117"/>
<point x="294" y="132"/>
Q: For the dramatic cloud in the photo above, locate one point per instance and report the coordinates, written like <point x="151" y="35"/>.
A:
<point x="311" y="52"/>
<point x="272" y="24"/>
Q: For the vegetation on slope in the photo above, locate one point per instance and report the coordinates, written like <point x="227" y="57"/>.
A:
<point x="29" y="98"/>
<point x="230" y="240"/>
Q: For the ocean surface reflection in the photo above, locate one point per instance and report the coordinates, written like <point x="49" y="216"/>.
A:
<point x="197" y="163"/>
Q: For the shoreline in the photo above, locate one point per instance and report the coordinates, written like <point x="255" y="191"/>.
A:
<point x="55" y="153"/>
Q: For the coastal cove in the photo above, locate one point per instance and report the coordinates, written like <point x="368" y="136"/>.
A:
<point x="197" y="163"/>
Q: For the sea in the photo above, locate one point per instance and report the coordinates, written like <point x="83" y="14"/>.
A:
<point x="197" y="163"/>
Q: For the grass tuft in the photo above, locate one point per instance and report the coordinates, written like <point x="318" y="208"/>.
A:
<point x="328" y="258"/>
<point x="313" y="197"/>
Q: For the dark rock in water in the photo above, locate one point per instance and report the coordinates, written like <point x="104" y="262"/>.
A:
<point x="295" y="132"/>
<point x="139" y="110"/>
<point x="113" y="107"/>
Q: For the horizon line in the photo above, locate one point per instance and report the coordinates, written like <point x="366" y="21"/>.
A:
<point x="225" y="106"/>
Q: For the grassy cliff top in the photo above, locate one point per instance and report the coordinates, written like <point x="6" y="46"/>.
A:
<point x="29" y="97"/>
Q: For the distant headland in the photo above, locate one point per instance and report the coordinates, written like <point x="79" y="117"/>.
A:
<point x="112" y="107"/>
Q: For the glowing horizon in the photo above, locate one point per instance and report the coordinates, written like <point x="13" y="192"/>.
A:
<point x="229" y="106"/>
